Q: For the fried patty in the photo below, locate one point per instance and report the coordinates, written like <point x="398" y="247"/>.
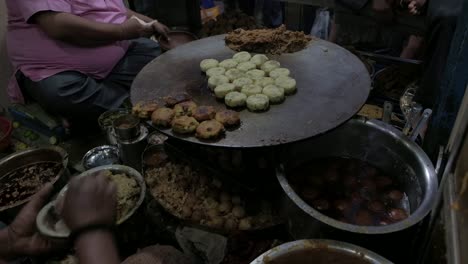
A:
<point x="203" y="113"/>
<point x="228" y="118"/>
<point x="163" y="117"/>
<point x="172" y="100"/>
<point x="184" y="125"/>
<point x="185" y="108"/>
<point x="211" y="129"/>
<point x="144" y="109"/>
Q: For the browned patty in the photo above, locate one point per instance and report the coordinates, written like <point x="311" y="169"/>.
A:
<point x="163" y="117"/>
<point x="203" y="113"/>
<point x="209" y="130"/>
<point x="144" y="109"/>
<point x="184" y="125"/>
<point x="228" y="118"/>
<point x="185" y="108"/>
<point x="171" y="101"/>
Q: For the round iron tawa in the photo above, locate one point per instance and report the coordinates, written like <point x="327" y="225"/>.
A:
<point x="332" y="84"/>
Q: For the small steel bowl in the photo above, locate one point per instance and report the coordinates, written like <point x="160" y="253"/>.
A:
<point x="100" y="156"/>
<point x="127" y="127"/>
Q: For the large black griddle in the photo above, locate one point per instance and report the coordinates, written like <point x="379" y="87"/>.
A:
<point x="333" y="85"/>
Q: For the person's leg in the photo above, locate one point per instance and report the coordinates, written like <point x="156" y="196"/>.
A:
<point x="141" y="52"/>
<point x="74" y="95"/>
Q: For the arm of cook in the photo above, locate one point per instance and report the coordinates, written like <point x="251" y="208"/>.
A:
<point x="56" y="20"/>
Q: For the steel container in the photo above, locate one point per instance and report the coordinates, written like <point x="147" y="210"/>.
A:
<point x="320" y="252"/>
<point x="384" y="147"/>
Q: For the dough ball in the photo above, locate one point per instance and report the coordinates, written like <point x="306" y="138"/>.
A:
<point x="238" y="211"/>
<point x="186" y="212"/>
<point x="203" y="113"/>
<point x="245" y="224"/>
<point x="209" y="130"/>
<point x="287" y="83"/>
<point x="246" y="66"/>
<point x="184" y="125"/>
<point x="163" y="117"/>
<point x="255" y="74"/>
<point x="235" y="99"/>
<point x="251" y="89"/>
<point x="213" y="213"/>
<point x="279" y="72"/>
<point x="275" y="93"/>
<point x="222" y="90"/>
<point x="258" y="102"/>
<point x="228" y="64"/>
<point x="185" y="108"/>
<point x="215" y="71"/>
<point x="207" y="64"/>
<point x="242" y="56"/>
<point x="228" y="118"/>
<point x="265" y="81"/>
<point x="241" y="82"/>
<point x="197" y="216"/>
<point x="217" y="80"/>
<point x="259" y="59"/>
<point x="233" y="74"/>
<point x="270" y="65"/>
<point x="217" y="222"/>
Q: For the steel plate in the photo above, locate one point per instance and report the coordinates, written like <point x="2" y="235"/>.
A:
<point x="333" y="85"/>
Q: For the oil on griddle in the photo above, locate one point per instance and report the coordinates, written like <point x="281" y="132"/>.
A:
<point x="21" y="183"/>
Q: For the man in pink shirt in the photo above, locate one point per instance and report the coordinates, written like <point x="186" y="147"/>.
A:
<point x="77" y="58"/>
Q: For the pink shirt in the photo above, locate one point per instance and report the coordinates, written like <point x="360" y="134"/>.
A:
<point x="38" y="56"/>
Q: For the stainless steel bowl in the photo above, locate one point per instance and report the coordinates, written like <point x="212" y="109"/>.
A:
<point x="382" y="146"/>
<point x="127" y="127"/>
<point x="326" y="251"/>
<point x="23" y="158"/>
<point x="43" y="219"/>
<point x="106" y="120"/>
<point x="100" y="156"/>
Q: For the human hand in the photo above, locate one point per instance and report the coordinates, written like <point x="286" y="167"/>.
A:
<point x="23" y="238"/>
<point x="133" y="28"/>
<point x="415" y="6"/>
<point x="90" y="200"/>
<point x="161" y="29"/>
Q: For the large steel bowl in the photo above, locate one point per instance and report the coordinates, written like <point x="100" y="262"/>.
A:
<point x="320" y="252"/>
<point x="34" y="155"/>
<point x="382" y="146"/>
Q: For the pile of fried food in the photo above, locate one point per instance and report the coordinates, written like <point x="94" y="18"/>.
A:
<point x="185" y="117"/>
<point x="267" y="41"/>
<point x="246" y="80"/>
<point x="227" y="22"/>
<point x="194" y="196"/>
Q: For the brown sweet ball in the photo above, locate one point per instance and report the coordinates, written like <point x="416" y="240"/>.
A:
<point x="321" y="204"/>
<point x="162" y="117"/>
<point x="184" y="125"/>
<point x="210" y="129"/>
<point x="310" y="194"/>
<point x="383" y="181"/>
<point x="185" y="108"/>
<point x="238" y="211"/>
<point x="364" y="218"/>
<point x="204" y="113"/>
<point x="342" y="205"/>
<point x="228" y="118"/>
<point x="395" y="195"/>
<point x="397" y="214"/>
<point x="376" y="207"/>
